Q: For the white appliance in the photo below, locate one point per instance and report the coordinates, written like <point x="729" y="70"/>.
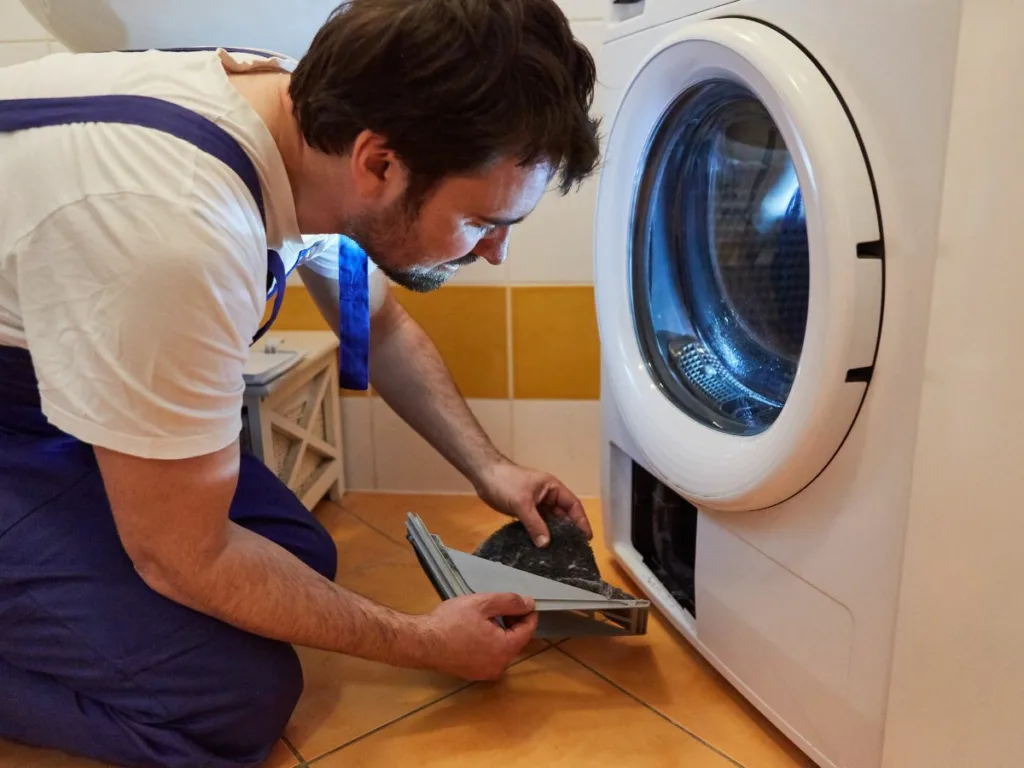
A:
<point x="807" y="288"/>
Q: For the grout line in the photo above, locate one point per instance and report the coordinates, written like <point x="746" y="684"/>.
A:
<point x="509" y="341"/>
<point x="373" y="447"/>
<point x="550" y="647"/>
<point x="374" y="528"/>
<point x="422" y="707"/>
<point x="391" y="722"/>
<point x="295" y="752"/>
<point x="509" y="356"/>
<point x="652" y="709"/>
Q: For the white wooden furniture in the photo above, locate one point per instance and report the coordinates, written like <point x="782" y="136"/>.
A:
<point x="293" y="422"/>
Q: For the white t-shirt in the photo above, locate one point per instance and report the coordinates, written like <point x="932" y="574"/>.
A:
<point x="132" y="265"/>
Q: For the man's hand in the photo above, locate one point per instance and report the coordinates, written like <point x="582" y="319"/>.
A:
<point x="468" y="643"/>
<point x="524" y="493"/>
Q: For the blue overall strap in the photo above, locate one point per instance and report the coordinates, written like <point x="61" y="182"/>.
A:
<point x="353" y="287"/>
<point x="354" y="308"/>
<point x="160" y="115"/>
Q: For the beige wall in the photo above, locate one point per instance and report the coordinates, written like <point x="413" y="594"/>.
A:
<point x="21" y="38"/>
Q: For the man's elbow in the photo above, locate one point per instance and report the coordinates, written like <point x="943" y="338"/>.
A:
<point x="155" y="577"/>
<point x="172" y="516"/>
<point x="168" y="572"/>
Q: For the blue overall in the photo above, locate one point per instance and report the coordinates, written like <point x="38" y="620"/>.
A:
<point x="92" y="661"/>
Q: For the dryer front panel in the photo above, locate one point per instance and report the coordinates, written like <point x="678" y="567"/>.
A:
<point x="739" y="264"/>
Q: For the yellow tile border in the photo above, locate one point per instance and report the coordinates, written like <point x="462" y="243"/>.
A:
<point x="499" y="341"/>
<point x="555" y="346"/>
<point x="298" y="312"/>
<point x="468" y="324"/>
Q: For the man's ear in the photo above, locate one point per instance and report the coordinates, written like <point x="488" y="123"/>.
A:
<point x="377" y="172"/>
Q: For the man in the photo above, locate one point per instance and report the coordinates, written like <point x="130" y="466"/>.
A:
<point x="152" y="580"/>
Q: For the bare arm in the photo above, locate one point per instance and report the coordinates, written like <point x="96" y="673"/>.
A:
<point x="409" y="374"/>
<point x="172" y="518"/>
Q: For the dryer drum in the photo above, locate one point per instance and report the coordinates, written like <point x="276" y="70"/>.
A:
<point x="720" y="260"/>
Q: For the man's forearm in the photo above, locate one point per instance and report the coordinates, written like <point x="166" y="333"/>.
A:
<point x="409" y="374"/>
<point x="256" y="585"/>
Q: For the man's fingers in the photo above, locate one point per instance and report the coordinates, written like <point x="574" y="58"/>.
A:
<point x="535" y="526"/>
<point x="565" y="502"/>
<point x="506" y="604"/>
<point x="522" y="632"/>
<point x="579" y="516"/>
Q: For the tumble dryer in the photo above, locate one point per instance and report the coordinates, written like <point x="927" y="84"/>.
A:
<point x="783" y="181"/>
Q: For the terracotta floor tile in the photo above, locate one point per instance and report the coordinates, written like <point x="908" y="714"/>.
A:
<point x="548" y="711"/>
<point x="462" y="522"/>
<point x="14" y="755"/>
<point x="281" y="757"/>
<point x="346" y="697"/>
<point x="376" y="567"/>
<point x="662" y="669"/>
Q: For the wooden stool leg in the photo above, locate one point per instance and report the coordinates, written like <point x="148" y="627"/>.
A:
<point x="333" y="426"/>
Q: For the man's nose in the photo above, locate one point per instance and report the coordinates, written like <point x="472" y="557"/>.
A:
<point x="494" y="248"/>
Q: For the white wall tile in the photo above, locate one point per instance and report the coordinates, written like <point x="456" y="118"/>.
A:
<point x="481" y="273"/>
<point x="18" y="24"/>
<point x="18" y="53"/>
<point x="406" y="462"/>
<point x="357" y="434"/>
<point x="561" y="437"/>
<point x="56" y="47"/>
<point x="585" y="9"/>
<point x="556" y="243"/>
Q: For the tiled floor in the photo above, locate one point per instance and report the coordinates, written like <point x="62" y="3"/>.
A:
<point x="649" y="701"/>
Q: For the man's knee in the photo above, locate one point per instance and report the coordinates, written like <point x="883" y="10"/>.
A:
<point x="223" y="708"/>
<point x="249" y="714"/>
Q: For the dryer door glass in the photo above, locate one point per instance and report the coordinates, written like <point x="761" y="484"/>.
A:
<point x="720" y="263"/>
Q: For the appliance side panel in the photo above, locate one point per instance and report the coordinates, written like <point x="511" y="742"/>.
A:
<point x="786" y="640"/>
<point x="957" y="688"/>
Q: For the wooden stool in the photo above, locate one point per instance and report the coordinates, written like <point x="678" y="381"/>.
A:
<point x="292" y="423"/>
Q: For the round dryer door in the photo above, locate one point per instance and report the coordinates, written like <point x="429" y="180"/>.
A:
<point x="739" y="265"/>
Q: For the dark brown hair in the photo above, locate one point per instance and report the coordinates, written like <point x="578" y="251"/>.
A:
<point x="452" y="85"/>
